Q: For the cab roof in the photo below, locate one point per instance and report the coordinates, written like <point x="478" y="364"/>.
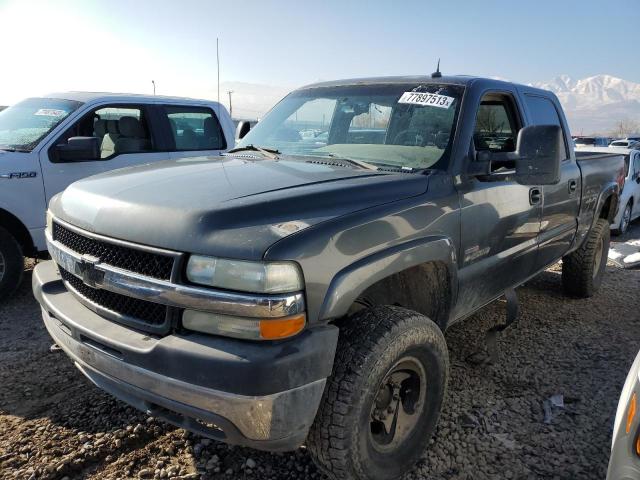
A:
<point x="90" y="97"/>
<point x="462" y="80"/>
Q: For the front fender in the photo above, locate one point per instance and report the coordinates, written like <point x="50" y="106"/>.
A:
<point x="348" y="284"/>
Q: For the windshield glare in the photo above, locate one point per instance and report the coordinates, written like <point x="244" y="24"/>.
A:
<point x="385" y="125"/>
<point x="23" y="125"/>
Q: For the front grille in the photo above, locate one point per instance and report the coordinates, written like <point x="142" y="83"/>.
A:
<point x="145" y="263"/>
<point x="148" y="313"/>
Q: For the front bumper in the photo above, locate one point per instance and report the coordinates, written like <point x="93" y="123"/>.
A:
<point x="262" y="395"/>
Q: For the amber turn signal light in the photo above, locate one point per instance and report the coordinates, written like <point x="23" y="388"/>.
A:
<point x="282" y="327"/>
<point x="631" y="413"/>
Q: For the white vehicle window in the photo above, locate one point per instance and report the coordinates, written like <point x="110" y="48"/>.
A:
<point x="195" y="128"/>
<point x="24" y="124"/>
<point x="119" y="130"/>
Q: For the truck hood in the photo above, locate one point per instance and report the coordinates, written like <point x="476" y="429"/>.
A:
<point x="224" y="206"/>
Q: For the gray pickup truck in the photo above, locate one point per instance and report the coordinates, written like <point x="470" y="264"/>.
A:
<point x="296" y="289"/>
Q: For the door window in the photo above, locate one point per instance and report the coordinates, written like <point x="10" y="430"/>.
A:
<point x="195" y="128"/>
<point x="119" y="130"/>
<point x="496" y="127"/>
<point x="544" y="112"/>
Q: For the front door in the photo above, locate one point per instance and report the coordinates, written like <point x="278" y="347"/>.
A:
<point x="500" y="219"/>
<point x="125" y="139"/>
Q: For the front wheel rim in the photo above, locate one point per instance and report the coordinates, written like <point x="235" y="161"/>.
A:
<point x="398" y="404"/>
<point x="598" y="258"/>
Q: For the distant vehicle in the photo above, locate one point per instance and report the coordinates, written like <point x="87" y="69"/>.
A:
<point x="591" y="142"/>
<point x="625" y="143"/>
<point x="624" y="463"/>
<point x="48" y="143"/>
<point x="629" y="207"/>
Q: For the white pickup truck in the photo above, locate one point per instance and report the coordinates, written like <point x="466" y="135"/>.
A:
<point x="48" y="143"/>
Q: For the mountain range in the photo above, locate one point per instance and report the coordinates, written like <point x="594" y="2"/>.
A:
<point x="592" y="105"/>
<point x="595" y="104"/>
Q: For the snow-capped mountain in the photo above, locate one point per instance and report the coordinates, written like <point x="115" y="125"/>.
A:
<point x="595" y="104"/>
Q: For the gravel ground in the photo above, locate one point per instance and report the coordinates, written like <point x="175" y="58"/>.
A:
<point x="498" y="421"/>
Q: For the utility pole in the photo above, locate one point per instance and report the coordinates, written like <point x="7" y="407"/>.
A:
<point x="154" y="86"/>
<point x="230" y="107"/>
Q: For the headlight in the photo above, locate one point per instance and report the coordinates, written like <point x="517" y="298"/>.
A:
<point x="245" y="276"/>
<point x="49" y="223"/>
<point x="240" y="327"/>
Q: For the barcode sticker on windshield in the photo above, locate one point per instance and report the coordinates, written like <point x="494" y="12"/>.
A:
<point x="50" y="112"/>
<point x="430" y="99"/>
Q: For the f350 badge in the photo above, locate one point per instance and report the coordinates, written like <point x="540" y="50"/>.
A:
<point x="18" y="175"/>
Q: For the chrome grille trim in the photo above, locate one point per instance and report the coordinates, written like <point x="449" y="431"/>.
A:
<point x="100" y="275"/>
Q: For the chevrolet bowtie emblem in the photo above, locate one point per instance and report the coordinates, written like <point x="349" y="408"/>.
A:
<point x="86" y="269"/>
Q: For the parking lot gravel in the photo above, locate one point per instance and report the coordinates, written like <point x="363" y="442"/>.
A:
<point x="545" y="409"/>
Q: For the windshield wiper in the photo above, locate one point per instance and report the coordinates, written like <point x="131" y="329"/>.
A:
<point x="271" y="153"/>
<point x="353" y="161"/>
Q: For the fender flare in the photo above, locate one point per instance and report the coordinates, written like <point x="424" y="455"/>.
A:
<point x="349" y="283"/>
<point x="612" y="189"/>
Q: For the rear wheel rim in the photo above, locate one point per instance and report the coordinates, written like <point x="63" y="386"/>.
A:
<point x="597" y="262"/>
<point x="626" y="217"/>
<point x="2" y="266"/>
<point x="398" y="404"/>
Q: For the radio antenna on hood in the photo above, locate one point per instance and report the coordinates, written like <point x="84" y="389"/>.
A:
<point x="437" y="73"/>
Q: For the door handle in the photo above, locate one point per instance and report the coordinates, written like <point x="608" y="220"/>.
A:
<point x="535" y="196"/>
<point x="573" y="186"/>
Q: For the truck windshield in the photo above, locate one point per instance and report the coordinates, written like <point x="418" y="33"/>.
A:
<point x="24" y="124"/>
<point x="398" y="125"/>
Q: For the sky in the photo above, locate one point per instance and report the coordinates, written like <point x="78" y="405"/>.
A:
<point x="121" y="45"/>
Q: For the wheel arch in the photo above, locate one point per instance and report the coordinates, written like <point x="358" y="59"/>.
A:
<point x="607" y="206"/>
<point x="20" y="232"/>
<point x="423" y="265"/>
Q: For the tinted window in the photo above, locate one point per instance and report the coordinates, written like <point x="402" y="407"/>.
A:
<point x="195" y="128"/>
<point x="543" y="112"/>
<point x="496" y="127"/>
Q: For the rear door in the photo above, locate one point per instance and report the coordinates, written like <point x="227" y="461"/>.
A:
<point x="125" y="136"/>
<point x="560" y="202"/>
<point x="192" y="131"/>
<point x="500" y="219"/>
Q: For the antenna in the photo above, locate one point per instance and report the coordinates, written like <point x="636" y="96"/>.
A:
<point x="437" y="73"/>
<point x="218" y="63"/>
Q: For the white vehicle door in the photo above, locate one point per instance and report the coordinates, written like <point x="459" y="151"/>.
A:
<point x="194" y="131"/>
<point x="635" y="183"/>
<point x="124" y="138"/>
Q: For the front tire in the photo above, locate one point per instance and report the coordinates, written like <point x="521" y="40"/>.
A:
<point x="382" y="402"/>
<point x="11" y="264"/>
<point x="583" y="269"/>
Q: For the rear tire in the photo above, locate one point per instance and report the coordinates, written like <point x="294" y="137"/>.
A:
<point x="382" y="402"/>
<point x="11" y="264"/>
<point x="625" y="219"/>
<point x="583" y="269"/>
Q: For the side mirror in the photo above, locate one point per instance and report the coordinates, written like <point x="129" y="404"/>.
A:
<point x="79" y="149"/>
<point x="540" y="150"/>
<point x="242" y="129"/>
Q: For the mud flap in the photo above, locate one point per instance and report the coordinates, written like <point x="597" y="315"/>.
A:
<point x="491" y="337"/>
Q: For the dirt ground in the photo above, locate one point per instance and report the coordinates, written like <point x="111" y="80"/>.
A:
<point x="498" y="421"/>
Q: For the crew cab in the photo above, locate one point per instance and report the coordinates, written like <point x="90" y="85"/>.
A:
<point x="296" y="289"/>
<point x="48" y="143"/>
